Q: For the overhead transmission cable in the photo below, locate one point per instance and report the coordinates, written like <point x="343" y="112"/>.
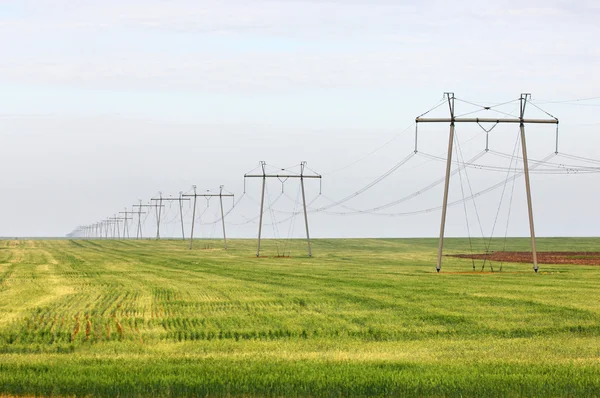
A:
<point x="580" y="158"/>
<point x="462" y="190"/>
<point x="555" y="168"/>
<point x="235" y="204"/>
<point x="489" y="242"/>
<point x="570" y="102"/>
<point x="401" y="200"/>
<point x="274" y="223"/>
<point x="371" y="184"/>
<point x="512" y="192"/>
<point x="460" y="153"/>
<point x="374" y="151"/>
<point x="287" y="244"/>
<point x="450" y="204"/>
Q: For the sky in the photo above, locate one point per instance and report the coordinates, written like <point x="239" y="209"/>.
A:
<point x="104" y="103"/>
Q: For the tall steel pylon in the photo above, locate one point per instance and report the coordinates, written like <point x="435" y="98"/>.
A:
<point x="521" y="121"/>
<point x="264" y="176"/>
<point x="220" y="195"/>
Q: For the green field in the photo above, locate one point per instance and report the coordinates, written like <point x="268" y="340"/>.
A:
<point x="363" y="317"/>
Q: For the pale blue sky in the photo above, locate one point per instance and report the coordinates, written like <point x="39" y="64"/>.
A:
<point x="111" y="101"/>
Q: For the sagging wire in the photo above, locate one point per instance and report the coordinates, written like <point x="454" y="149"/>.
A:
<point x="372" y="183"/>
<point x="287" y="244"/>
<point x="235" y="204"/>
<point x="512" y="192"/>
<point x="471" y="190"/>
<point x="274" y="223"/>
<point x="462" y="190"/>
<point x="556" y="168"/>
<point x="432" y="209"/>
<point x="489" y="243"/>
<point x="412" y="195"/>
<point x="408" y="128"/>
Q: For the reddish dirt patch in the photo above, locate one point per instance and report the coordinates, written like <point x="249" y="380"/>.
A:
<point x="579" y="258"/>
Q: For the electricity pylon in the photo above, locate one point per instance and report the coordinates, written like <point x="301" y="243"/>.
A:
<point x="264" y="177"/>
<point x="125" y="223"/>
<point x="139" y="213"/>
<point x="521" y="121"/>
<point x="221" y="195"/>
<point x="180" y="199"/>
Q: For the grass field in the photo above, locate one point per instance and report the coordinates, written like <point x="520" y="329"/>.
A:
<point x="362" y="317"/>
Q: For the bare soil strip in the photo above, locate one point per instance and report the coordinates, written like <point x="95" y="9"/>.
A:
<point x="578" y="258"/>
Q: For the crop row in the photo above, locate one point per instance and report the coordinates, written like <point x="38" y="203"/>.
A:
<point x="264" y="377"/>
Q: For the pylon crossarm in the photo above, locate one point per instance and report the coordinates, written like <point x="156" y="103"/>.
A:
<point x="172" y="199"/>
<point x="280" y="176"/>
<point x="484" y="120"/>
<point x="209" y="195"/>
